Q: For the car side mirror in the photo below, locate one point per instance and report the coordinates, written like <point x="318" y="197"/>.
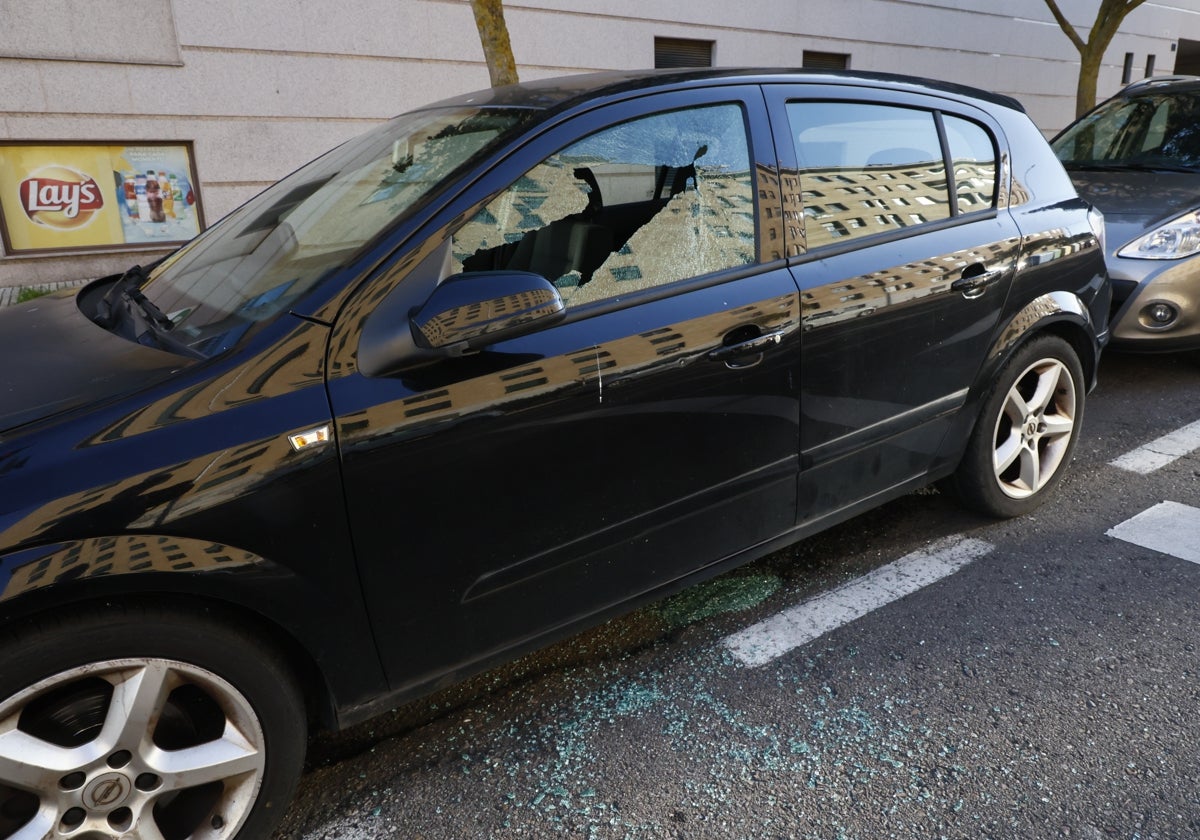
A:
<point x="471" y="310"/>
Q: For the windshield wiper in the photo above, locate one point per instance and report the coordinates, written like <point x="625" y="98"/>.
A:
<point x="1163" y="167"/>
<point x="1129" y="166"/>
<point x="127" y="289"/>
<point x="125" y="301"/>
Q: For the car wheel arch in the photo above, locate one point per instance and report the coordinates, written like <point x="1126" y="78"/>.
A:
<point x="148" y="676"/>
<point x="318" y="696"/>
<point x="1008" y="465"/>
<point x="1059" y="313"/>
<point x="293" y="605"/>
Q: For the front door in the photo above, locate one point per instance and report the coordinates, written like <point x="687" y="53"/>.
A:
<point x="503" y="495"/>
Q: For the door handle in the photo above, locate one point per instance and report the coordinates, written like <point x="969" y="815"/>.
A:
<point x="735" y="355"/>
<point x="975" y="285"/>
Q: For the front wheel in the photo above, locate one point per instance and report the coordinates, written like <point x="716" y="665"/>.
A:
<point x="131" y="723"/>
<point x="1026" y="431"/>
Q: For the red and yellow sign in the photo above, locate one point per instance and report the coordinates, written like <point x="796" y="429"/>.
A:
<point x="87" y="196"/>
<point x="60" y="198"/>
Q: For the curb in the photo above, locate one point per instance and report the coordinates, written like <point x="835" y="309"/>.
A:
<point x="9" y="294"/>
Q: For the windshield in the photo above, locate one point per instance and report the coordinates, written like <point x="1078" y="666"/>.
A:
<point x="1152" y="131"/>
<point x="266" y="254"/>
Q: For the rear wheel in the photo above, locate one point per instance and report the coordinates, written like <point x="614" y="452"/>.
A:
<point x="142" y="724"/>
<point x="1026" y="432"/>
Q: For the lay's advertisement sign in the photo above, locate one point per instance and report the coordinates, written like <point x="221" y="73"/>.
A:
<point x="63" y="197"/>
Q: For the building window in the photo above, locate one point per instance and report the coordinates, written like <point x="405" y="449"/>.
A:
<point x="826" y="60"/>
<point x="1149" y="66"/>
<point x="1187" y="59"/>
<point x="1127" y="72"/>
<point x="682" y="52"/>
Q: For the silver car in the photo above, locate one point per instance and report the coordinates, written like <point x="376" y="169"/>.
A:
<point x="1137" y="157"/>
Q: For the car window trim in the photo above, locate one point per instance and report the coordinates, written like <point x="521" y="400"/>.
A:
<point x="592" y="309"/>
<point x="854" y="244"/>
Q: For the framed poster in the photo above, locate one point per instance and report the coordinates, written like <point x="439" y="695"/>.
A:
<point x="72" y="196"/>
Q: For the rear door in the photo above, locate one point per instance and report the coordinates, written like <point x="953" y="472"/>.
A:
<point x="503" y="495"/>
<point x="904" y="260"/>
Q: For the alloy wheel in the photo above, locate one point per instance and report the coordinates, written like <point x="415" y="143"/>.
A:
<point x="1034" y="429"/>
<point x="134" y="748"/>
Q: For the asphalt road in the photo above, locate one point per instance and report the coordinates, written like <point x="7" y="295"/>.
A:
<point x="1046" y="688"/>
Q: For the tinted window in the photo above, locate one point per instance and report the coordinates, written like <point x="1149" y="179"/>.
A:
<point x="867" y="169"/>
<point x="973" y="157"/>
<point x="641" y="204"/>
<point x="1161" y="128"/>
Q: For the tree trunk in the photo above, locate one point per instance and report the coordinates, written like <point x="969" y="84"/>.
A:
<point x="1089" y="75"/>
<point x="1109" y="17"/>
<point x="493" y="34"/>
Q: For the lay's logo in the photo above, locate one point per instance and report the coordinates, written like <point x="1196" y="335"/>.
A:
<point x="62" y="198"/>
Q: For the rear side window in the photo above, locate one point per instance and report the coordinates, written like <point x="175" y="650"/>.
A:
<point x="868" y="169"/>
<point x="973" y="164"/>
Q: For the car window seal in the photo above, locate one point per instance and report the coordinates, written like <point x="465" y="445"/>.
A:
<point x="857" y="243"/>
<point x="668" y="290"/>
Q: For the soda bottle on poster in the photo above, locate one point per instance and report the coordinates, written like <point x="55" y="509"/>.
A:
<point x="168" y="195"/>
<point x="188" y="197"/>
<point x="154" y="198"/>
<point x="143" y="200"/>
<point x="131" y="202"/>
<point x="176" y="196"/>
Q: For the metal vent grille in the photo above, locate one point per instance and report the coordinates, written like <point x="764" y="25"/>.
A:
<point x="682" y="52"/>
<point x="826" y="60"/>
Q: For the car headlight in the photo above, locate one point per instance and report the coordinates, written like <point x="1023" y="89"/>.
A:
<point x="1174" y="240"/>
<point x="1096" y="220"/>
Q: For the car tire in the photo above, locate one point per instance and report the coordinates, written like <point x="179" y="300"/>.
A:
<point x="142" y="722"/>
<point x="1026" y="431"/>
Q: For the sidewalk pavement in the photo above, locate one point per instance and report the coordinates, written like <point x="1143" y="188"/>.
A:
<point x="9" y="294"/>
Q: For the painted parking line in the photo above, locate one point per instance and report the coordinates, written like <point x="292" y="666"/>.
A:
<point x="1158" y="453"/>
<point x="788" y="630"/>
<point x="1168" y="527"/>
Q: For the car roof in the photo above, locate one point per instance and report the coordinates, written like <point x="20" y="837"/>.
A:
<point x="563" y="92"/>
<point x="1158" y="83"/>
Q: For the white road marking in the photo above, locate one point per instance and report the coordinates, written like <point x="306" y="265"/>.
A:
<point x="788" y="630"/>
<point x="1168" y="527"/>
<point x="1159" y="453"/>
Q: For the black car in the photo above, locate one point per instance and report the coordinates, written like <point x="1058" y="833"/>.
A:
<point x="493" y="372"/>
<point x="1137" y="158"/>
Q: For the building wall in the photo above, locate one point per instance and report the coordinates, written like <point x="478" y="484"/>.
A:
<point x="261" y="87"/>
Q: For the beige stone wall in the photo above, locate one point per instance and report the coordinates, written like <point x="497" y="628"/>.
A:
<point x="261" y="87"/>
